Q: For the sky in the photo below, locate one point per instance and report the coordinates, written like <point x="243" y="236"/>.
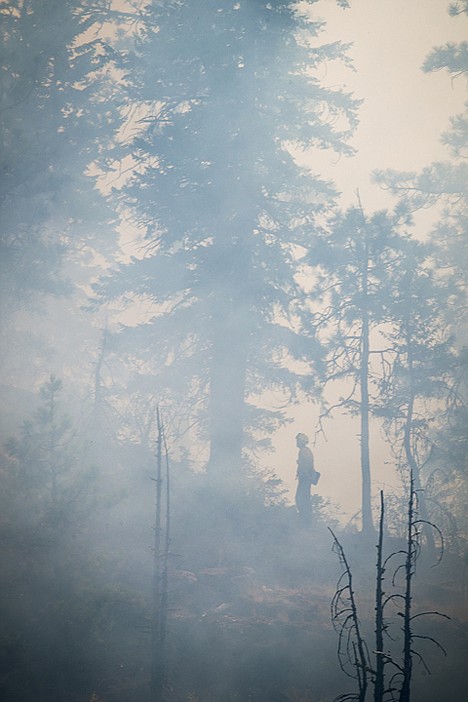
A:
<point x="404" y="110"/>
<point x="402" y="118"/>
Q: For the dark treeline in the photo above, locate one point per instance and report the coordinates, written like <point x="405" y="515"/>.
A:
<point x="168" y="267"/>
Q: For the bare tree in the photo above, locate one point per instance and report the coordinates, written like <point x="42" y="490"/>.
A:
<point x="379" y="611"/>
<point x="353" y="652"/>
<point x="415" y="528"/>
<point x="160" y="569"/>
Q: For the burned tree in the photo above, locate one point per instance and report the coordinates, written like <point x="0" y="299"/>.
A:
<point x="353" y="261"/>
<point x="160" y="569"/>
<point x="380" y="626"/>
<point x="353" y="654"/>
<point x="415" y="527"/>
<point x="353" y="651"/>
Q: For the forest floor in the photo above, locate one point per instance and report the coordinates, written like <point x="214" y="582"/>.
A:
<point x="262" y="632"/>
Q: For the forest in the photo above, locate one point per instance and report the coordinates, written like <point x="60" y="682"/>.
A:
<point x="234" y="351"/>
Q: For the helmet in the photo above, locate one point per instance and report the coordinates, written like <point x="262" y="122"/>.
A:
<point x="302" y="438"/>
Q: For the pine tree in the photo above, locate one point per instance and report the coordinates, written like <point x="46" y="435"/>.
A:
<point x="436" y="307"/>
<point x="443" y="184"/>
<point x="52" y="126"/>
<point x="417" y="389"/>
<point x="48" y="497"/>
<point x="221" y="96"/>
<point x="347" y="309"/>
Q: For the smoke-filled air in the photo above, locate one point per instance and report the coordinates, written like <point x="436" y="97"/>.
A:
<point x="234" y="351"/>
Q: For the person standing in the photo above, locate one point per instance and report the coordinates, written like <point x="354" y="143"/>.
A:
<point x="306" y="476"/>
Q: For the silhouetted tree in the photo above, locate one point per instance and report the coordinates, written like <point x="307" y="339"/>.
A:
<point x="353" y="653"/>
<point x="380" y="625"/>
<point x="444" y="183"/>
<point x="417" y="389"/>
<point x="162" y="541"/>
<point x="413" y="545"/>
<point x="447" y="468"/>
<point x="54" y="119"/>
<point x="434" y="332"/>
<point x="221" y="96"/>
<point x="49" y="492"/>
<point x="348" y="306"/>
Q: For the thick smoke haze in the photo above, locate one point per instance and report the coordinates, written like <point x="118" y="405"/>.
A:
<point x="233" y="380"/>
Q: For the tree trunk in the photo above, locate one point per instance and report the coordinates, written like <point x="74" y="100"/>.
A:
<point x="410" y="457"/>
<point x="227" y="396"/>
<point x="367" y="523"/>
<point x="157" y="669"/>
<point x="379" y="611"/>
<point x="409" y="572"/>
<point x="355" y="649"/>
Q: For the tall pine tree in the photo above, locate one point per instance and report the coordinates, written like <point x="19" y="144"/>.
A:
<point x="222" y="95"/>
<point x="53" y="122"/>
<point x="354" y="278"/>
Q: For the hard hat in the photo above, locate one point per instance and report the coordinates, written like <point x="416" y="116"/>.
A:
<point x="303" y="438"/>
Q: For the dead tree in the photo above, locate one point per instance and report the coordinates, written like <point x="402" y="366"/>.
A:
<point x="415" y="528"/>
<point x="409" y="569"/>
<point x="165" y="554"/>
<point x="379" y="611"/>
<point x="160" y="570"/>
<point x="353" y="655"/>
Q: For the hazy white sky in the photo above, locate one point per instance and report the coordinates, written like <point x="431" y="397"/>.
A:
<point x="405" y="110"/>
<point x="401" y="121"/>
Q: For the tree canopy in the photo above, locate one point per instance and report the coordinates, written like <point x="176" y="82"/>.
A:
<point x="52" y="127"/>
<point x="222" y="96"/>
